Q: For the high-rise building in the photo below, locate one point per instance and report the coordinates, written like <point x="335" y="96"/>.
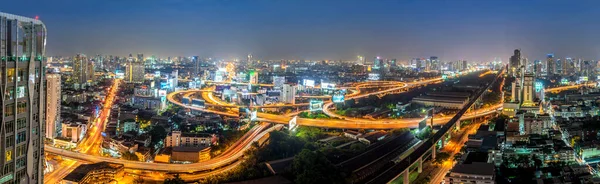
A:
<point x="196" y="63"/>
<point x="140" y="57"/>
<point x="377" y="63"/>
<point x="515" y="62"/>
<point x="278" y="82"/>
<point x="288" y="94"/>
<point x="253" y="77"/>
<point x="23" y="120"/>
<point x="568" y="66"/>
<point x="135" y="72"/>
<point x="537" y="68"/>
<point x="53" y="95"/>
<point x="550" y="65"/>
<point x="435" y="63"/>
<point x="83" y="70"/>
<point x="528" y="91"/>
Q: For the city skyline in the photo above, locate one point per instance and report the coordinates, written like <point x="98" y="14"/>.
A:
<point x="463" y="30"/>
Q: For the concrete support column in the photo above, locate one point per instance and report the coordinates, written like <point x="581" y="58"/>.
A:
<point x="442" y="141"/>
<point x="420" y="165"/>
<point x="406" y="178"/>
<point x="458" y="125"/>
<point x="433" y="150"/>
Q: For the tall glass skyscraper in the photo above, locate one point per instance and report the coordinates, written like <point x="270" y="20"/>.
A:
<point x="22" y="48"/>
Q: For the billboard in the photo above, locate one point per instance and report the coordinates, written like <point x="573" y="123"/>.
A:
<point x="162" y="93"/>
<point x="309" y="83"/>
<point x="292" y="124"/>
<point x="316" y="105"/>
<point x="337" y="98"/>
<point x="326" y="85"/>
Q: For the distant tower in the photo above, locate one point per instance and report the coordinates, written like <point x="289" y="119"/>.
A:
<point x="550" y="65"/>
<point x="515" y="62"/>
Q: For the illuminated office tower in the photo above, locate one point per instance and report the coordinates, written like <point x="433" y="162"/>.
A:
<point x="196" y="63"/>
<point x="515" y="63"/>
<point x="83" y="70"/>
<point x="528" y="92"/>
<point x="550" y="65"/>
<point x="435" y="63"/>
<point x="135" y="72"/>
<point x="253" y="77"/>
<point x="377" y="63"/>
<point x="23" y="123"/>
<point x="568" y="67"/>
<point x="53" y="95"/>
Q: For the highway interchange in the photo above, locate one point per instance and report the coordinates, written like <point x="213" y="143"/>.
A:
<point x="89" y="146"/>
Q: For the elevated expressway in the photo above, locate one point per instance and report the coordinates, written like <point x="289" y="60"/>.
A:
<point x="231" y="155"/>
<point x="235" y="152"/>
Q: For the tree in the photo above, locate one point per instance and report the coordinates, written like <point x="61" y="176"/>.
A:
<point x="175" y="180"/>
<point x="357" y="147"/>
<point x="313" y="167"/>
<point x="441" y="157"/>
<point x="129" y="156"/>
<point x="157" y="134"/>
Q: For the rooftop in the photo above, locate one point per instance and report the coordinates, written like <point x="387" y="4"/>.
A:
<point x="475" y="168"/>
<point x="80" y="172"/>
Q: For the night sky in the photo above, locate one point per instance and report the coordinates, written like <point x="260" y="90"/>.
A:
<point x="475" y="30"/>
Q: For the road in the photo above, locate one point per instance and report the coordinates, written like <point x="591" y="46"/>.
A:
<point x="61" y="170"/>
<point x="562" y="88"/>
<point x="91" y="144"/>
<point x="229" y="156"/>
<point x="453" y="147"/>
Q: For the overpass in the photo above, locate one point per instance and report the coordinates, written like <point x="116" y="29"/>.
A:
<point x="233" y="154"/>
<point x="402" y="167"/>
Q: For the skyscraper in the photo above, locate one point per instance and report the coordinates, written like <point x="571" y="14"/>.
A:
<point x="23" y="123"/>
<point x="135" y="72"/>
<point x="288" y="94"/>
<point x="515" y="62"/>
<point x="377" y="63"/>
<point x="550" y="65"/>
<point x="83" y="70"/>
<point x="52" y="105"/>
<point x="528" y="93"/>
<point x="140" y="57"/>
<point x="196" y="64"/>
<point x="435" y="63"/>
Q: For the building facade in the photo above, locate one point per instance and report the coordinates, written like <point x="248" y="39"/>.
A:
<point x="135" y="72"/>
<point x="53" y="127"/>
<point x="184" y="139"/>
<point x="83" y="71"/>
<point x="22" y="50"/>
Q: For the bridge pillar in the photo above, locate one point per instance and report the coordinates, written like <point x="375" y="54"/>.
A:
<point x="420" y="165"/>
<point x="458" y="125"/>
<point x="406" y="178"/>
<point x="442" y="141"/>
<point x="433" y="150"/>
